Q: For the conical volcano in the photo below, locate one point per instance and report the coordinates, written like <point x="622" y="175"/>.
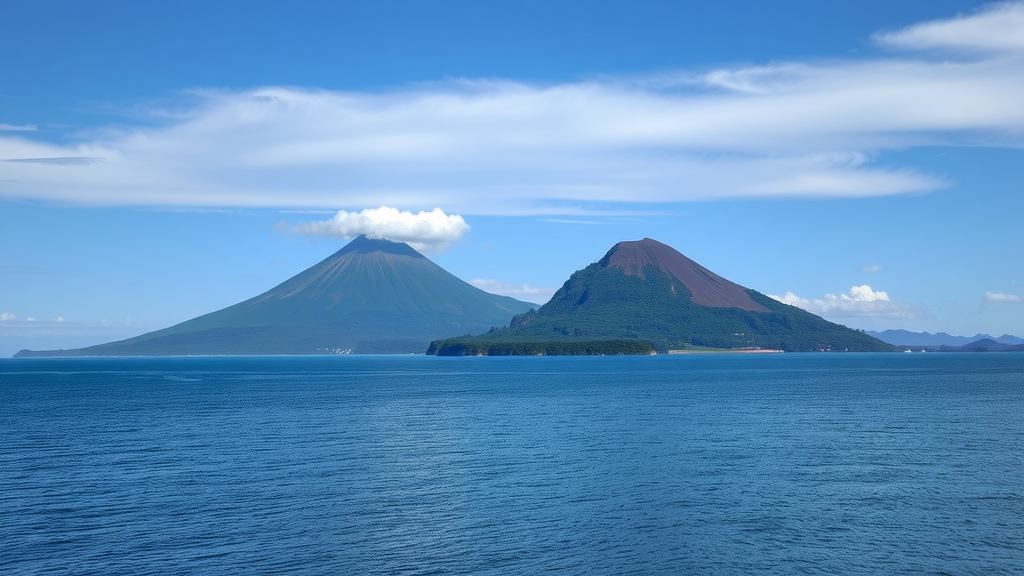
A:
<point x="372" y="296"/>
<point x="645" y="290"/>
<point x="706" y="288"/>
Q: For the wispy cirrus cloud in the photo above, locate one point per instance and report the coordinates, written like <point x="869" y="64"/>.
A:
<point x="797" y="129"/>
<point x="57" y="161"/>
<point x="997" y="27"/>
<point x="1004" y="298"/>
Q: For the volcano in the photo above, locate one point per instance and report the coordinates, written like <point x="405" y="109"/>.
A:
<point x="372" y="296"/>
<point x="647" y="291"/>
<point x="706" y="288"/>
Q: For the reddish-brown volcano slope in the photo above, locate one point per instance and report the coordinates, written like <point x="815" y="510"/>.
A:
<point x="708" y="288"/>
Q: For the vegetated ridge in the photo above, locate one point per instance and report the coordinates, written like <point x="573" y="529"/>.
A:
<point x="372" y="296"/>
<point x="647" y="291"/>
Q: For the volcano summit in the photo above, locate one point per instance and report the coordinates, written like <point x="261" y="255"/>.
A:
<point x="372" y="296"/>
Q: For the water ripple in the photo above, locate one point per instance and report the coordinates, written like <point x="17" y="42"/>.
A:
<point x="804" y="464"/>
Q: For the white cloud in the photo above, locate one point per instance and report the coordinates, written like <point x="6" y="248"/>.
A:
<point x="996" y="27"/>
<point x="13" y="319"/>
<point x="989" y="296"/>
<point x="502" y="147"/>
<point x="59" y="161"/>
<point x="872" y="268"/>
<point x="535" y="294"/>
<point x="862" y="301"/>
<point x="432" y="231"/>
<point x="16" y="128"/>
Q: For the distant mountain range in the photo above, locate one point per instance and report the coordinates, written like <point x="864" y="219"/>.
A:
<point x="647" y="291"/>
<point x="905" y="338"/>
<point x="372" y="296"/>
<point x="983" y="345"/>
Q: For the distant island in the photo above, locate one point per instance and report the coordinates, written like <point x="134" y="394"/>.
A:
<point x="371" y="297"/>
<point x="647" y="292"/>
<point x="981" y="345"/>
<point x="904" y="338"/>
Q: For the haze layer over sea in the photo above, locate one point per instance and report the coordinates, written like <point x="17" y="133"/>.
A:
<point x="694" y="464"/>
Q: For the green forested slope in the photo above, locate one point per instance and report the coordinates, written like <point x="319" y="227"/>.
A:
<point x="601" y="302"/>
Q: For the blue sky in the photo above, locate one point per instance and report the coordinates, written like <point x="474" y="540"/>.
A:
<point x="160" y="160"/>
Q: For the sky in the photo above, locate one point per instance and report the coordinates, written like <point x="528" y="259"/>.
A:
<point x="160" y="160"/>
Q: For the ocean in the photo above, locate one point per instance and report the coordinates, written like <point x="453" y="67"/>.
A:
<point x="691" y="464"/>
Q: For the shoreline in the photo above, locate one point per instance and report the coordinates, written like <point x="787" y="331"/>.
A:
<point x="728" y="351"/>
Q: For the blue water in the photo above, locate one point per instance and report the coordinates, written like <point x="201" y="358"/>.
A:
<point x="718" y="464"/>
